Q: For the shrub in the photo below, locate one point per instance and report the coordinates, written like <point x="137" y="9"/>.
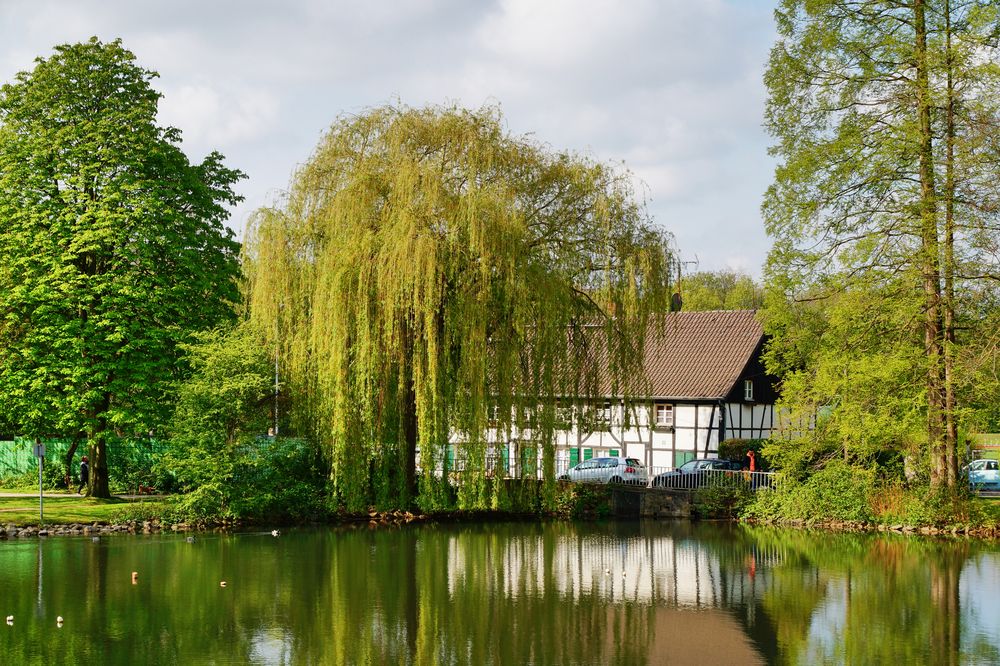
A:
<point x="725" y="497"/>
<point x="838" y="491"/>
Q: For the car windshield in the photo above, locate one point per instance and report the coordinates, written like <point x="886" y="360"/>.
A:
<point x="690" y="466"/>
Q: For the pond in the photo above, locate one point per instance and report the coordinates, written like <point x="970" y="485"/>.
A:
<point x="502" y="593"/>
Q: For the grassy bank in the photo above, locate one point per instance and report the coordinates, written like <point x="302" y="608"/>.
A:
<point x="64" y="510"/>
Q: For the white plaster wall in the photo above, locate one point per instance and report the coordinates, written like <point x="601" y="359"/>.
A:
<point x="684" y="416"/>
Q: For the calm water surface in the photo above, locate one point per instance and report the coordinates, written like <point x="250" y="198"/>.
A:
<point x="503" y="593"/>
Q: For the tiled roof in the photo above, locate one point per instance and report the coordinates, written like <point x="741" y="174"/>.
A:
<point x="700" y="354"/>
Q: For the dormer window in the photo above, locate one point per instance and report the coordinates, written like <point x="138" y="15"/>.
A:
<point x="748" y="390"/>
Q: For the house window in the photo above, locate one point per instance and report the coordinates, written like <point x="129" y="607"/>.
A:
<point x="493" y="413"/>
<point x="748" y="390"/>
<point x="564" y="414"/>
<point x="663" y="415"/>
<point x="603" y="412"/>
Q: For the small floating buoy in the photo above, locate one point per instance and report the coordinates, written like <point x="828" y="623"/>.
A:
<point x="222" y="583"/>
<point x="275" y="533"/>
<point x="607" y="572"/>
<point x="59" y="621"/>
<point x="96" y="539"/>
<point x="135" y="577"/>
<point x="190" y="539"/>
<point x="10" y="619"/>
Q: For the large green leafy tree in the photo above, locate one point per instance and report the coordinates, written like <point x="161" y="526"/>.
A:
<point x="112" y="249"/>
<point x="885" y="117"/>
<point x="430" y="277"/>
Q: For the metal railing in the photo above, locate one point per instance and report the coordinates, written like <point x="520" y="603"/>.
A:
<point x="503" y="466"/>
<point x="713" y="478"/>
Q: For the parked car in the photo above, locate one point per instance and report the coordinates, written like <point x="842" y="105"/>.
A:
<point x="696" y="473"/>
<point x="608" y="470"/>
<point x="983" y="474"/>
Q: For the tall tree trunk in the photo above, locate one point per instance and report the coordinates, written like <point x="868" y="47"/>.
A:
<point x="68" y="459"/>
<point x="408" y="439"/>
<point x="930" y="260"/>
<point x="99" y="486"/>
<point x="948" y="302"/>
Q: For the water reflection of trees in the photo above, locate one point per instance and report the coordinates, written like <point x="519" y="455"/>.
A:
<point x="499" y="593"/>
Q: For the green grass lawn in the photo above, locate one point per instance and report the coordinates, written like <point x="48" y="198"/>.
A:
<point x="59" y="510"/>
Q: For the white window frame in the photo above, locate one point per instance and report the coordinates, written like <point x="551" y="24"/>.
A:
<point x="748" y="390"/>
<point x="667" y="411"/>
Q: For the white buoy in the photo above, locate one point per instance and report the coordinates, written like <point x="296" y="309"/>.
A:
<point x="10" y="619"/>
<point x="222" y="583"/>
<point x="275" y="533"/>
<point x="59" y="620"/>
<point x="190" y="539"/>
<point x="607" y="572"/>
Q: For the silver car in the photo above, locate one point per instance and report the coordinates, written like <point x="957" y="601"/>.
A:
<point x="609" y="470"/>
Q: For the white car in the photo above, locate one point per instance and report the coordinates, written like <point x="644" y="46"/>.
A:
<point x="608" y="470"/>
<point x="984" y="474"/>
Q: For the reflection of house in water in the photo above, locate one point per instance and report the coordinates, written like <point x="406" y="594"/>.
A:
<point x="667" y="576"/>
<point x="660" y="569"/>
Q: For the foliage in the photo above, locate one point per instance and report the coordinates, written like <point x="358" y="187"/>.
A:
<point x="851" y="379"/>
<point x="724" y="497"/>
<point x="836" y="492"/>
<point x="112" y="251"/>
<point x="883" y="119"/>
<point x="736" y="449"/>
<point x="721" y="290"/>
<point x="583" y="500"/>
<point x="218" y="456"/>
<point x="425" y="267"/>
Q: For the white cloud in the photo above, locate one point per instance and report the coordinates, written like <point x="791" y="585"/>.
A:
<point x="672" y="87"/>
<point x="208" y="115"/>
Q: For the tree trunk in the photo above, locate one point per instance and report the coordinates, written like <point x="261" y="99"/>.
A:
<point x="408" y="424"/>
<point x="948" y="303"/>
<point x="99" y="486"/>
<point x="68" y="460"/>
<point x="930" y="261"/>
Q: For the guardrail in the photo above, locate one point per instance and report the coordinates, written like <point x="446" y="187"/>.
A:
<point x="709" y="478"/>
<point x="509" y="467"/>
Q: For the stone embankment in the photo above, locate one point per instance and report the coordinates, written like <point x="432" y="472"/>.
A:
<point x="977" y="531"/>
<point x="12" y="531"/>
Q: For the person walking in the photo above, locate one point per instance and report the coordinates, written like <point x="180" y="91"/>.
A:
<point x="84" y="475"/>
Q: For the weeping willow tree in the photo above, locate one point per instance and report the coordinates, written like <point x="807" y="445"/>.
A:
<point x="429" y="280"/>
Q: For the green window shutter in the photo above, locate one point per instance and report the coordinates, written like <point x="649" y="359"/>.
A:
<point x="574" y="457"/>
<point x="588" y="454"/>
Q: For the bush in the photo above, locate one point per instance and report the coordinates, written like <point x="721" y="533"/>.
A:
<point x="736" y="450"/>
<point x="725" y="497"/>
<point x="838" y="491"/>
<point x="260" y="479"/>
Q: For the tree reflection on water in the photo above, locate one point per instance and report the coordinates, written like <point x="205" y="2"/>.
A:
<point x="632" y="593"/>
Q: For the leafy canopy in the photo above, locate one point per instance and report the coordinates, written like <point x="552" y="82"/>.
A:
<point x="112" y="248"/>
<point x="427" y="271"/>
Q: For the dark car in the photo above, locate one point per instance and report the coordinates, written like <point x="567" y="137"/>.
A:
<point x="696" y="473"/>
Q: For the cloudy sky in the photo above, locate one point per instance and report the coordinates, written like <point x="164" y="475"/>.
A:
<point x="672" y="88"/>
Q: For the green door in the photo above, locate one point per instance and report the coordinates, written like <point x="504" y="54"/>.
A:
<point x="681" y="457"/>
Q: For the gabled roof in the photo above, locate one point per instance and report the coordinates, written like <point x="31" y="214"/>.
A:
<point x="700" y="354"/>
